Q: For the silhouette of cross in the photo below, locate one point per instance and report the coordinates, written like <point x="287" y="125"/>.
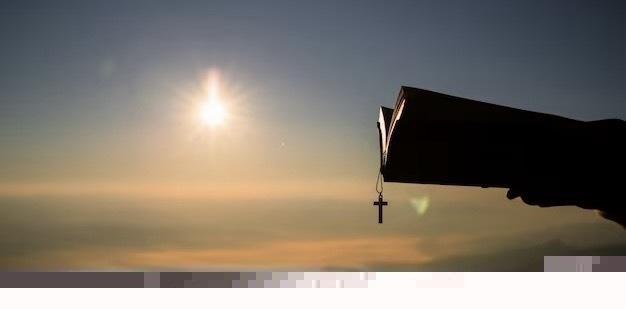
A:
<point x="380" y="205"/>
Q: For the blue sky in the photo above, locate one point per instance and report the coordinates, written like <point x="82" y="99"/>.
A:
<point x="95" y="93"/>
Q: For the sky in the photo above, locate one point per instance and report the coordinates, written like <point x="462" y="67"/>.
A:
<point x="105" y="163"/>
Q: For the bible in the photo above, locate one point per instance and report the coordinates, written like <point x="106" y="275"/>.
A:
<point x="434" y="138"/>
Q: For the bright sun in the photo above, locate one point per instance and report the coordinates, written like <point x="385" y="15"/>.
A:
<point x="213" y="113"/>
<point x="212" y="110"/>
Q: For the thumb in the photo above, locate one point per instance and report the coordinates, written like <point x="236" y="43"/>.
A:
<point x="513" y="193"/>
<point x="617" y="217"/>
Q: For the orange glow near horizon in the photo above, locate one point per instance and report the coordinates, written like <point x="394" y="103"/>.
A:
<point x="239" y="191"/>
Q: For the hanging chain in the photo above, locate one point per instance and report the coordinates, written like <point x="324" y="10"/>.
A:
<point x="379" y="182"/>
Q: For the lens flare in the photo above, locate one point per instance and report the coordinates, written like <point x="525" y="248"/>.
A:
<point x="420" y="205"/>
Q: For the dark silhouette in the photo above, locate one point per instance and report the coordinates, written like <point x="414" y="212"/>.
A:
<point x="546" y="160"/>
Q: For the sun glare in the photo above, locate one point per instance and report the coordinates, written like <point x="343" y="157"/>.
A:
<point x="213" y="113"/>
<point x="211" y="110"/>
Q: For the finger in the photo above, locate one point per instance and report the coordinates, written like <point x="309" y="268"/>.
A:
<point x="513" y="193"/>
<point x="619" y="218"/>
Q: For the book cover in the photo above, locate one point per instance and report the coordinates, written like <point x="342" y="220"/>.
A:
<point x="434" y="138"/>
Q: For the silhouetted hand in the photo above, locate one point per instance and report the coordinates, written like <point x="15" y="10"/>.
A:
<point x="619" y="217"/>
<point x="547" y="198"/>
<point x="587" y="172"/>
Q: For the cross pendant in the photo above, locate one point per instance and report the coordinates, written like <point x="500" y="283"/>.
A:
<point x="380" y="205"/>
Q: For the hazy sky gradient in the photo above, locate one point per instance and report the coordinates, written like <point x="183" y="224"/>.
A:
<point x="101" y="154"/>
